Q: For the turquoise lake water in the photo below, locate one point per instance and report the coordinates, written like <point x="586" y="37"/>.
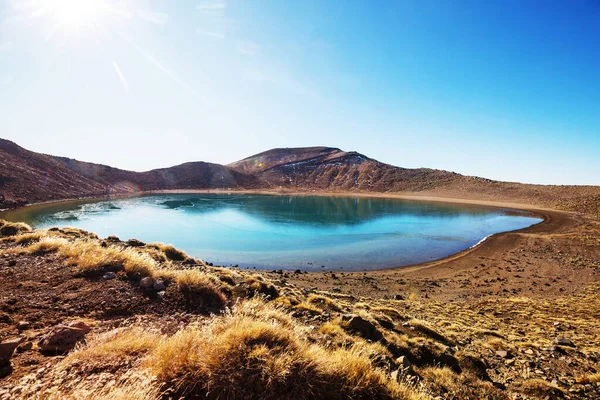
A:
<point x="288" y="232"/>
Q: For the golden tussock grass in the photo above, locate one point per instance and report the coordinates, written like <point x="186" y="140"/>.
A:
<point x="244" y="356"/>
<point x="443" y="381"/>
<point x="91" y="257"/>
<point x="539" y="387"/>
<point x="257" y="285"/>
<point x="390" y="312"/>
<point x="170" y="251"/>
<point x="113" y="348"/>
<point x="199" y="288"/>
<point x="323" y="302"/>
<point x="308" y="307"/>
<point x="13" y="228"/>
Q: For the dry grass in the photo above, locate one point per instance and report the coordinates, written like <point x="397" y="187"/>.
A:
<point x="13" y="228"/>
<point x="243" y="356"/>
<point x="323" y="302"/>
<point x="539" y="387"/>
<point x="169" y="251"/>
<point x="442" y="381"/>
<point x="199" y="289"/>
<point x="257" y="285"/>
<point x="89" y="256"/>
<point x="113" y="350"/>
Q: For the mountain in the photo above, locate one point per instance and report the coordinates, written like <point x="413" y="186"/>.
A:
<point x="29" y="177"/>
<point x="332" y="168"/>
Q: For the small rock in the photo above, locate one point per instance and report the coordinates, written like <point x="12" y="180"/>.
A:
<point x="109" y="275"/>
<point x="365" y="328"/>
<point x="159" y="286"/>
<point x="563" y="342"/>
<point x="7" y="349"/>
<point x="23" y="325"/>
<point x="63" y="338"/>
<point x="23" y="347"/>
<point x="503" y="354"/>
<point x="403" y="362"/>
<point x="113" y="239"/>
<point x="146" y="282"/>
<point x="398" y="297"/>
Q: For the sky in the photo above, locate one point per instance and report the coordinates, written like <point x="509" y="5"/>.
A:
<point x="507" y="90"/>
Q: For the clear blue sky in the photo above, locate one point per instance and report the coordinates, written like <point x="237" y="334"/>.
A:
<point x="507" y="90"/>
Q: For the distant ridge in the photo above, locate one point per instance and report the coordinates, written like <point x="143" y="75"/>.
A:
<point x="29" y="177"/>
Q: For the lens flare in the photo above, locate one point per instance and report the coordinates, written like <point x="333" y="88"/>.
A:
<point x="76" y="14"/>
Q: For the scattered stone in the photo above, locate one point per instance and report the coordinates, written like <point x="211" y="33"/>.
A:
<point x="146" y="282"/>
<point x="7" y="349"/>
<point x="23" y="325"/>
<point x="159" y="286"/>
<point x="564" y="342"/>
<point x="503" y="354"/>
<point x="63" y="338"/>
<point x="109" y="275"/>
<point x="403" y="362"/>
<point x="23" y="347"/>
<point x="113" y="239"/>
<point x="398" y="297"/>
<point x="365" y="328"/>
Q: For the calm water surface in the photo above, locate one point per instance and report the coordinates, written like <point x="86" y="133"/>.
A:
<point x="306" y="232"/>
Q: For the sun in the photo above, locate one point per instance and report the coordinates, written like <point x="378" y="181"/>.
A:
<point x="75" y="15"/>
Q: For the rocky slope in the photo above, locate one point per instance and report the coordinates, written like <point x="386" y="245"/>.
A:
<point x="29" y="177"/>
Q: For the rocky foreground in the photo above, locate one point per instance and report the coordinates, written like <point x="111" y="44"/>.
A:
<point x="84" y="317"/>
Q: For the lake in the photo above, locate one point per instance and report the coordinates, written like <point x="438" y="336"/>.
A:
<point x="311" y="233"/>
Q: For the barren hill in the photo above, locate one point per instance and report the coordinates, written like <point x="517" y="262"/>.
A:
<point x="28" y="177"/>
<point x="332" y="168"/>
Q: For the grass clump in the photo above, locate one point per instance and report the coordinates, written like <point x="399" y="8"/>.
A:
<point x="13" y="228"/>
<point x="199" y="288"/>
<point x="257" y="285"/>
<point x="170" y="251"/>
<point x="113" y="350"/>
<point x="539" y="387"/>
<point x="89" y="256"/>
<point x="243" y="356"/>
<point x="323" y="302"/>
<point x="443" y="381"/>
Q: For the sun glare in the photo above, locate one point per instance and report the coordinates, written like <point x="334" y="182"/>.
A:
<point x="76" y="14"/>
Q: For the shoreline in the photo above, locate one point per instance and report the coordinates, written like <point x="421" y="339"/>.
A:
<point x="545" y="213"/>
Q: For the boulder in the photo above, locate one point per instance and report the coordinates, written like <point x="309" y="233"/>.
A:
<point x="146" y="282"/>
<point x="365" y="328"/>
<point x="563" y="342"/>
<point x="7" y="349"/>
<point x="63" y="338"/>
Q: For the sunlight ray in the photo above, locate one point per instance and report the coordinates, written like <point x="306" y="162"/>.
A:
<point x="121" y="76"/>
